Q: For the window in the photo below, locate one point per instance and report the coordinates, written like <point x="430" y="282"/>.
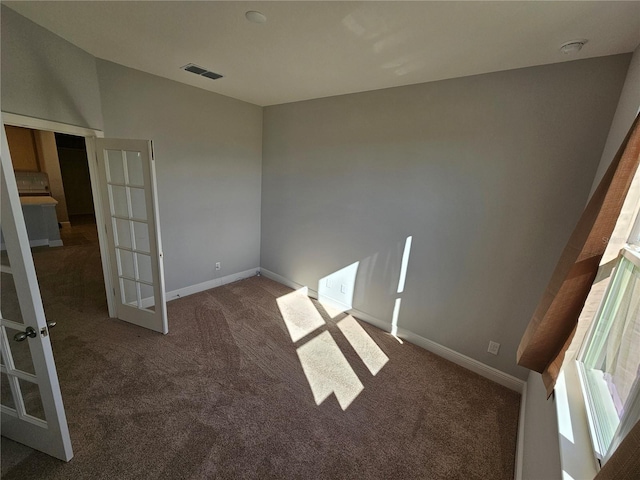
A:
<point x="609" y="362"/>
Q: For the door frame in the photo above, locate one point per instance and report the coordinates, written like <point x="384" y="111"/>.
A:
<point x="89" y="135"/>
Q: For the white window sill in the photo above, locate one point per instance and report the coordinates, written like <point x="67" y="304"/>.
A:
<point x="576" y="452"/>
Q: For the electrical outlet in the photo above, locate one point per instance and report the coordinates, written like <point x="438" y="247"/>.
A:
<point x="343" y="288"/>
<point x="218" y="266"/>
<point x="328" y="283"/>
<point x="493" y="347"/>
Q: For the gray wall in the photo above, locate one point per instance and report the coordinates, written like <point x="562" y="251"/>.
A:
<point x="489" y="174"/>
<point x="628" y="109"/>
<point x="208" y="151"/>
<point x="44" y="76"/>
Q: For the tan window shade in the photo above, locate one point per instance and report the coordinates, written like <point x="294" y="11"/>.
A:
<point x="550" y="330"/>
<point x="624" y="464"/>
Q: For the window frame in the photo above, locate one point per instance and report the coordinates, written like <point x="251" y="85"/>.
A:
<point x="592" y="404"/>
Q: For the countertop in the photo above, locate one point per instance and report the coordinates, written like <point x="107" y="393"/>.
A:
<point x="42" y="200"/>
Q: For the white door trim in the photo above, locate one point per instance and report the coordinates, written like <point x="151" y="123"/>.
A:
<point x="48" y="125"/>
<point x="89" y="134"/>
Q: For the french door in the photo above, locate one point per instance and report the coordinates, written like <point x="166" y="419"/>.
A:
<point x="130" y="206"/>
<point x="31" y="405"/>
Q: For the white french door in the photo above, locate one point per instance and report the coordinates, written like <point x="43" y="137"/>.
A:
<point x="128" y="190"/>
<point x="31" y="403"/>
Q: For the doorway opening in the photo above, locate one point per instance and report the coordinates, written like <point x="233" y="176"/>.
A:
<point x="54" y="185"/>
<point x="64" y="157"/>
<point x="76" y="180"/>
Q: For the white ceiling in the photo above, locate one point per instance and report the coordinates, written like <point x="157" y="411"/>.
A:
<point x="317" y="49"/>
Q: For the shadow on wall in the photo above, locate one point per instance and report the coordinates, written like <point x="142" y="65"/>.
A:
<point x="325" y="366"/>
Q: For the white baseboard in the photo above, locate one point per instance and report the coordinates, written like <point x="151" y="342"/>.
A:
<point x="480" y="368"/>
<point x="289" y="283"/>
<point x="517" y="475"/>
<point x="217" y="282"/>
<point x="469" y="363"/>
<point x="39" y="243"/>
<point x="504" y="379"/>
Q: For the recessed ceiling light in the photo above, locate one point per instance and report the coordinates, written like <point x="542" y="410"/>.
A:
<point x="573" y="46"/>
<point x="255" y="17"/>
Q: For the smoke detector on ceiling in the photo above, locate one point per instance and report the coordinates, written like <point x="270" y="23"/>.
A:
<point x="255" y="16"/>
<point x="193" y="68"/>
<point x="574" y="46"/>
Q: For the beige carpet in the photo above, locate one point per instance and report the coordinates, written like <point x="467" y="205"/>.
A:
<point x="224" y="394"/>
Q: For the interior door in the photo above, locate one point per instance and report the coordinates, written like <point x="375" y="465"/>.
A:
<point x="31" y="404"/>
<point x="128" y="189"/>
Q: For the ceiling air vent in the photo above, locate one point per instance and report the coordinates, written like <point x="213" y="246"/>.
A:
<point x="190" y="67"/>
<point x="212" y="75"/>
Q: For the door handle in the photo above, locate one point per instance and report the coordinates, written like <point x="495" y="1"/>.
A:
<point x="30" y="332"/>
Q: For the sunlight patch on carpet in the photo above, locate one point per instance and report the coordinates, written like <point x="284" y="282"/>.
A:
<point x="299" y="314"/>
<point x="368" y="350"/>
<point x="328" y="371"/>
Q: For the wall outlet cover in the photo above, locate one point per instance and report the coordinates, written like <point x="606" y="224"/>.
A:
<point x="494" y="347"/>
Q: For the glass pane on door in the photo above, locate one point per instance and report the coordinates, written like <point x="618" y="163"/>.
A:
<point x="144" y="268"/>
<point x="115" y="167"/>
<point x="8" y="294"/>
<point x="118" y="197"/>
<point x="134" y="169"/>
<point x="141" y="236"/>
<point x="129" y="292"/>
<point x="32" y="399"/>
<point x="17" y="368"/>
<point x="125" y="263"/>
<point x="6" y="397"/>
<point x="148" y="299"/>
<point x="122" y="233"/>
<point x="138" y="203"/>
<point x="20" y="351"/>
